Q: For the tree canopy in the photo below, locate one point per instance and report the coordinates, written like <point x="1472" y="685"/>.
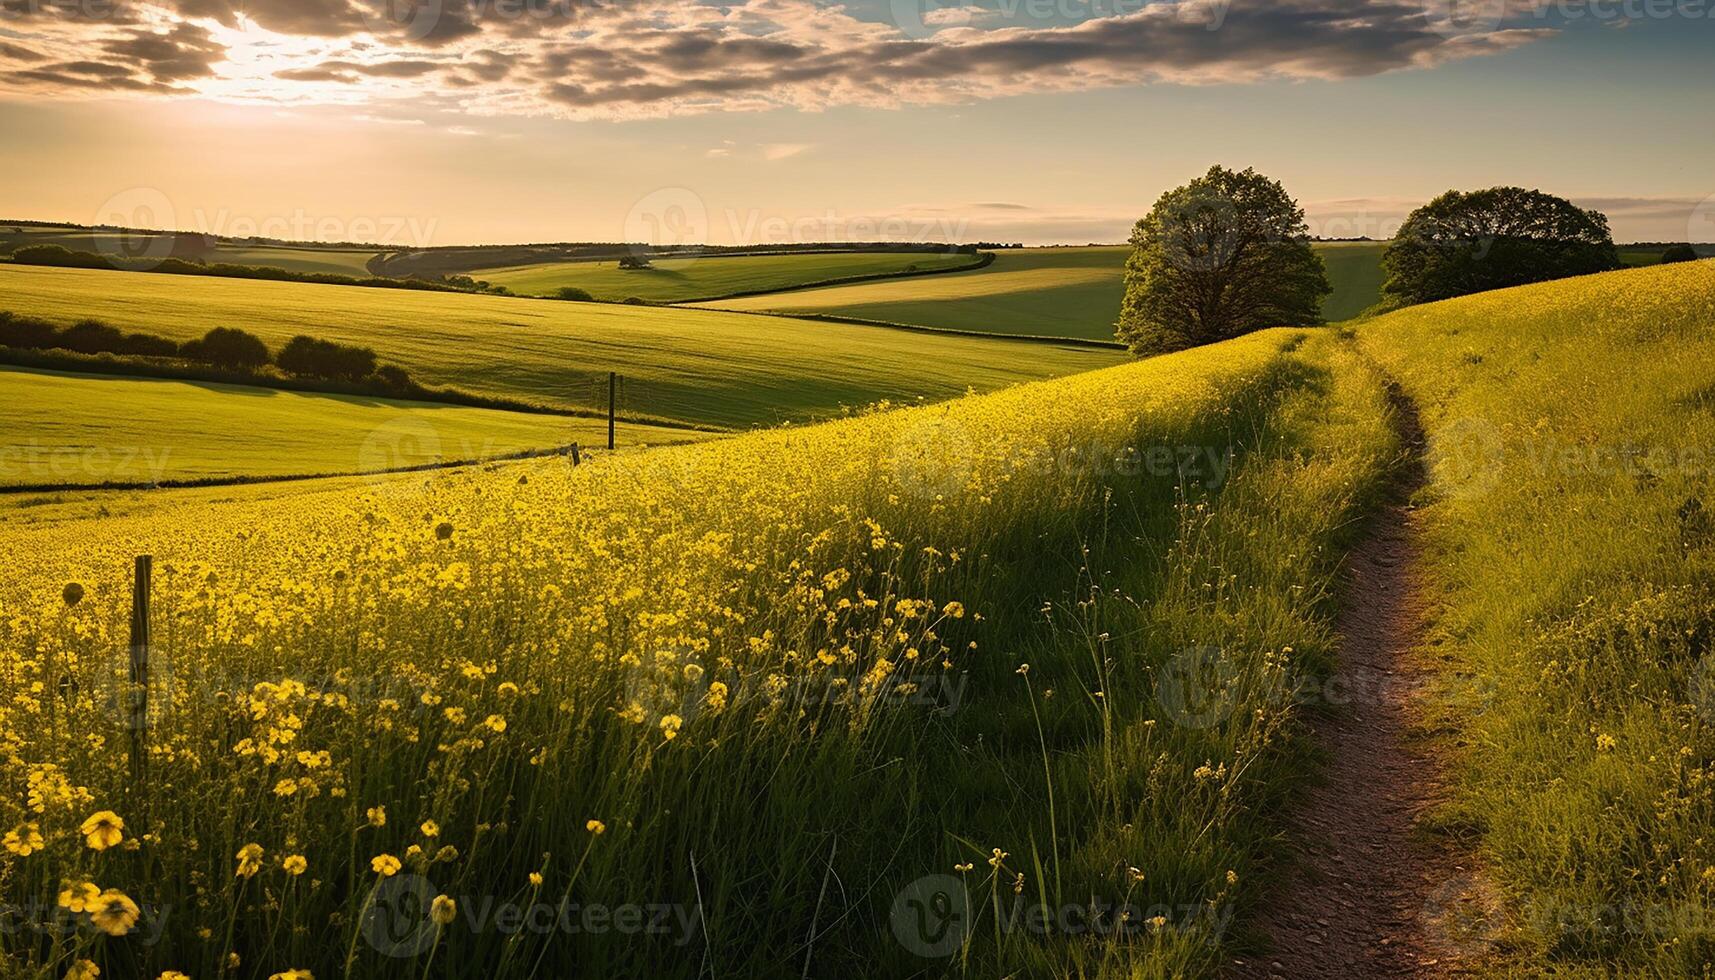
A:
<point x="1469" y="242"/>
<point x="1224" y="255"/>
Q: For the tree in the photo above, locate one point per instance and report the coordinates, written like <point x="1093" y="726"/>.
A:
<point x="1679" y="253"/>
<point x="574" y="294"/>
<point x="635" y="262"/>
<point x="1463" y="243"/>
<point x="228" y="348"/>
<point x="1224" y="255"/>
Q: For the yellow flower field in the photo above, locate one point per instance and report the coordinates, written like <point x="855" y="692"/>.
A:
<point x="694" y="688"/>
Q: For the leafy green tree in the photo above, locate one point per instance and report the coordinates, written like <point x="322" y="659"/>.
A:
<point x="1463" y="243"/>
<point x="1679" y="253"/>
<point x="1224" y="255"/>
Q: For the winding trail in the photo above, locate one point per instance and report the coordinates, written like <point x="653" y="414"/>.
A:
<point x="1369" y="895"/>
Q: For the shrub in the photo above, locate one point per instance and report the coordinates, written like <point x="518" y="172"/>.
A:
<point x="26" y="332"/>
<point x="394" y="380"/>
<point x="147" y="345"/>
<point x="574" y="294"/>
<point x="229" y="348"/>
<point x="90" y="337"/>
<point x="1679" y="253"/>
<point x="312" y="358"/>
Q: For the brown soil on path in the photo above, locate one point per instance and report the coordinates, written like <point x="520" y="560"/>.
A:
<point x="1369" y="895"/>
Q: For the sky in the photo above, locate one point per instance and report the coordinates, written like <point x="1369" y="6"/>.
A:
<point x="418" y="123"/>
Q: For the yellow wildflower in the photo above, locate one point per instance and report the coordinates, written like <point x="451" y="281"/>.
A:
<point x="443" y="910"/>
<point x="24" y="841"/>
<point x="79" y="897"/>
<point x="114" y="913"/>
<point x="596" y="827"/>
<point x="103" y="830"/>
<point x="249" y="860"/>
<point x="295" y="865"/>
<point x="385" y="865"/>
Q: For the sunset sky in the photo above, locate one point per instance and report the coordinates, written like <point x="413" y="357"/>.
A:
<point x="793" y="120"/>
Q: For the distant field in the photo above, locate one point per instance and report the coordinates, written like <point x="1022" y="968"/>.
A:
<point x="292" y="258"/>
<point x="679" y="280"/>
<point x="689" y="365"/>
<point x="88" y="429"/>
<point x="1635" y="255"/>
<point x="1053" y="292"/>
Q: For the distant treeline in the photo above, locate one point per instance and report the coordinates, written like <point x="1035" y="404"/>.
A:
<point x="61" y="257"/>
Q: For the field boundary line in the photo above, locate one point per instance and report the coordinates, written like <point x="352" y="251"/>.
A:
<point x="245" y="481"/>
<point x="920" y="328"/>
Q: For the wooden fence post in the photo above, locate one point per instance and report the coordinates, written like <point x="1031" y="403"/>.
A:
<point x="138" y="722"/>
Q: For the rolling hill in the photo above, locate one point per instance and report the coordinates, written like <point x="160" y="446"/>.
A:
<point x="82" y="430"/>
<point x="711" y="277"/>
<point x="1054" y="292"/>
<point x="689" y="365"/>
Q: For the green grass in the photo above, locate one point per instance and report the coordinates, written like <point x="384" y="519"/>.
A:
<point x="1052" y="292"/>
<point x="682" y="280"/>
<point x="1355" y="272"/>
<point x="1570" y="525"/>
<point x="76" y="429"/>
<point x="688" y="365"/>
<point x="292" y="258"/>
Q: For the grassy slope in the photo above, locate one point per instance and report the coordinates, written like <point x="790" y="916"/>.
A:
<point x="88" y="429"/>
<point x="293" y="258"/>
<point x="593" y="590"/>
<point x="680" y="280"/>
<point x="1569" y="520"/>
<point x="690" y="365"/>
<point x="1057" y="292"/>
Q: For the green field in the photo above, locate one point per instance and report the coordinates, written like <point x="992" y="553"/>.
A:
<point x="687" y="365"/>
<point x="1637" y="255"/>
<point x="683" y="280"/>
<point x="79" y="429"/>
<point x="292" y="258"/>
<point x="1052" y="292"/>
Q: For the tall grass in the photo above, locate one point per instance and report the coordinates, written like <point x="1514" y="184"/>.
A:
<point x="1571" y="426"/>
<point x="799" y="703"/>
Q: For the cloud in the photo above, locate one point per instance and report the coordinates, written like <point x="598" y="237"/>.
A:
<point x="782" y="151"/>
<point x="641" y="58"/>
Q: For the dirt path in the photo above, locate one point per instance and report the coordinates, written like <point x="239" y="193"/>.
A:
<point x="1369" y="895"/>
